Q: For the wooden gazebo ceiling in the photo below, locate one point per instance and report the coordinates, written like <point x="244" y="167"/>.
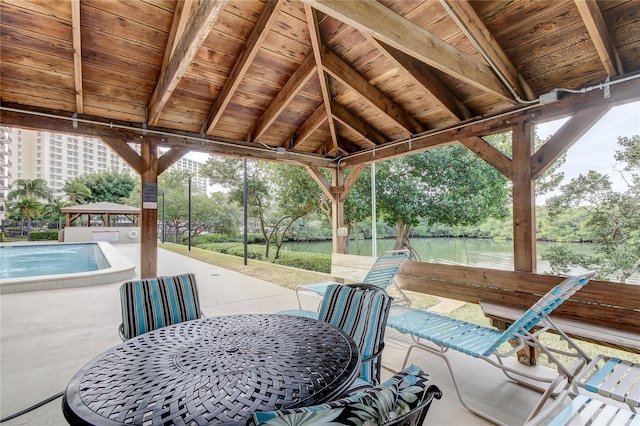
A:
<point x="317" y="79"/>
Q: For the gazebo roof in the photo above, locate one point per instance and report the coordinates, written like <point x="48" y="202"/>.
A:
<point x="101" y="208"/>
<point x="317" y="82"/>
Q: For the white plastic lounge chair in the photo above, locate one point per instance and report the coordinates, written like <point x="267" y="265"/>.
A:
<point x="582" y="410"/>
<point x="381" y="275"/>
<point x="613" y="378"/>
<point x="482" y="342"/>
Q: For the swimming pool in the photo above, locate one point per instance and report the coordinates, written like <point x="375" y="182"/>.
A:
<point x="27" y="267"/>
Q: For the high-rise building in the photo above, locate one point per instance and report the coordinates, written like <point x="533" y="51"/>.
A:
<point x="5" y="168"/>
<point x="58" y="158"/>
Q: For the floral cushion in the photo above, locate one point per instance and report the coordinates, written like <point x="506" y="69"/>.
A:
<point x="375" y="406"/>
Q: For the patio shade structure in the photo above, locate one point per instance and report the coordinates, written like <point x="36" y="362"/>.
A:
<point x="105" y="210"/>
<point x="320" y="83"/>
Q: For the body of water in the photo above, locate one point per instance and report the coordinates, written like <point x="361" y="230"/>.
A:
<point x="459" y="251"/>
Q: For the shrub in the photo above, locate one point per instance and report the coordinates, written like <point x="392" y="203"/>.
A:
<point x="51" y="235"/>
<point x="317" y="262"/>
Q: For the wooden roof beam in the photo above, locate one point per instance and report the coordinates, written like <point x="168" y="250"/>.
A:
<point x="203" y="19"/>
<point x="475" y="30"/>
<point x="310" y="125"/>
<point x="293" y="86"/>
<point x="565" y="137"/>
<point x="593" y="20"/>
<point x="374" y="18"/>
<point x="77" y="55"/>
<point x="343" y="72"/>
<point x="350" y="120"/>
<point x="167" y="159"/>
<point x="422" y="75"/>
<point x="570" y="104"/>
<point x="128" y="154"/>
<point x="180" y="19"/>
<point x="240" y="68"/>
<point x="316" y="44"/>
<point x="321" y="180"/>
<point x="490" y="154"/>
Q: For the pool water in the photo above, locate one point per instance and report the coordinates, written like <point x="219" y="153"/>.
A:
<point x="50" y="259"/>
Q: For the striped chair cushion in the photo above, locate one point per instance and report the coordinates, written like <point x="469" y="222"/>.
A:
<point x="157" y="302"/>
<point x="361" y="310"/>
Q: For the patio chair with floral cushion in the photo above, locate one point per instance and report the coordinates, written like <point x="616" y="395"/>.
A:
<point x="156" y="302"/>
<point x="403" y="400"/>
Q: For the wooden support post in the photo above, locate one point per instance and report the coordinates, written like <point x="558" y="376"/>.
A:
<point x="149" y="225"/>
<point x="337" y="211"/>
<point x="524" y="214"/>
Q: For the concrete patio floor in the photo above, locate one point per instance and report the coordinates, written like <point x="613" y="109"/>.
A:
<point x="47" y="336"/>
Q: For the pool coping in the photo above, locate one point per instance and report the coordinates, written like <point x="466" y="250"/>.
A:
<point x="120" y="268"/>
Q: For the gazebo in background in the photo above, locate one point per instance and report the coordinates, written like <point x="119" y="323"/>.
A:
<point x="104" y="221"/>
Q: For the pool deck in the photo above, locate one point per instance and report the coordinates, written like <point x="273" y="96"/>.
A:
<point x="47" y="336"/>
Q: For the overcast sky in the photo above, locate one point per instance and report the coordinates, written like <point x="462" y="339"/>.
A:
<point x="595" y="149"/>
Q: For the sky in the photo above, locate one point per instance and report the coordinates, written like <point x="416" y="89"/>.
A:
<point x="593" y="151"/>
<point x="596" y="148"/>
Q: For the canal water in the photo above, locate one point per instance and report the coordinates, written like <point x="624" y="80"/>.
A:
<point x="459" y="251"/>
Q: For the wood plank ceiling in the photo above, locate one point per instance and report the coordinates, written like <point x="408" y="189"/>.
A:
<point x="316" y="79"/>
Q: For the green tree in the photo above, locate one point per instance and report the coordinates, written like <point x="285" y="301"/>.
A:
<point x="296" y="194"/>
<point x="28" y="207"/>
<point x="613" y="218"/>
<point x="229" y="173"/>
<point x="109" y="186"/>
<point x="30" y="188"/>
<point x="52" y="211"/>
<point x="449" y="185"/>
<point x="277" y="194"/>
<point x="206" y="213"/>
<point x="77" y="192"/>
<point x="357" y="207"/>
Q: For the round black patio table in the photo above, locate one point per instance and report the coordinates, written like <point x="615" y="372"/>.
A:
<point x="215" y="370"/>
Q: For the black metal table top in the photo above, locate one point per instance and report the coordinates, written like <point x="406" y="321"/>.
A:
<point x="214" y="371"/>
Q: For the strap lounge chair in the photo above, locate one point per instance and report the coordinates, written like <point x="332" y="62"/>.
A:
<point x="381" y="275"/>
<point x="437" y="334"/>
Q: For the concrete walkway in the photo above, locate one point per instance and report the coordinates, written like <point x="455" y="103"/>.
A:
<point x="47" y="336"/>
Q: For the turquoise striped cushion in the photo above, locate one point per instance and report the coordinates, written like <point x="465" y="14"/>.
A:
<point x="157" y="302"/>
<point x="362" y="313"/>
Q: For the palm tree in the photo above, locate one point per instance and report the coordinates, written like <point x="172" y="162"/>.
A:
<point x="29" y="208"/>
<point x="30" y="188"/>
<point x="76" y="191"/>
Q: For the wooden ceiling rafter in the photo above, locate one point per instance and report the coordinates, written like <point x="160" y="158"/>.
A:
<point x="254" y="42"/>
<point x="353" y="122"/>
<point x="571" y="104"/>
<point x="422" y="75"/>
<point x="128" y="154"/>
<point x="310" y="125"/>
<point x="284" y="97"/>
<point x="168" y="158"/>
<point x="343" y="72"/>
<point x="480" y="36"/>
<point x="181" y="17"/>
<point x="202" y="21"/>
<point x="387" y="26"/>
<point x="77" y="54"/>
<point x="565" y="137"/>
<point x="597" y="28"/>
<point x="316" y="46"/>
